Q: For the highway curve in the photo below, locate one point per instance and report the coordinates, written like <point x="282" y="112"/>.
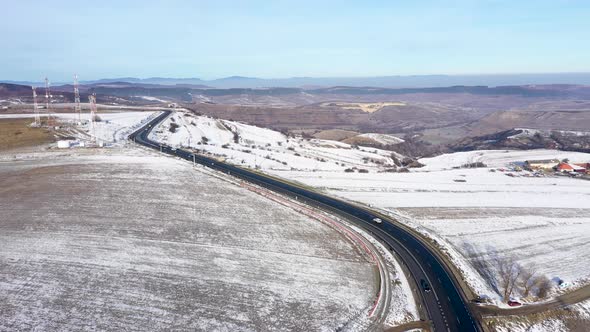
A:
<point x="445" y="304"/>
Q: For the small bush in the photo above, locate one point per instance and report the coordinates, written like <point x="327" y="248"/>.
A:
<point x="409" y="162"/>
<point x="173" y="127"/>
<point x="362" y="170"/>
<point x="396" y="161"/>
<point x="478" y="164"/>
<point x="415" y="164"/>
<point x="349" y="170"/>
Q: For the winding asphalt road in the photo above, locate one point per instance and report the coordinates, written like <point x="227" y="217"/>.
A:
<point x="445" y="304"/>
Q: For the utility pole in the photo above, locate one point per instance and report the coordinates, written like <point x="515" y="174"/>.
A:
<point x="77" y="107"/>
<point x="92" y="100"/>
<point x="36" y="108"/>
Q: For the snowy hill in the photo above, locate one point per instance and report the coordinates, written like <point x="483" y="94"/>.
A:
<point x="263" y="148"/>
<point x="497" y="158"/>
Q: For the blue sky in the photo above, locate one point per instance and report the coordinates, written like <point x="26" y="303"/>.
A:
<point x="211" y="39"/>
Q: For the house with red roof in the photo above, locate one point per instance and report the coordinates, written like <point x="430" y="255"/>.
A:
<point x="570" y="168"/>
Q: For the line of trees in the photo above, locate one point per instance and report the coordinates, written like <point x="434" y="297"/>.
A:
<point x="508" y="277"/>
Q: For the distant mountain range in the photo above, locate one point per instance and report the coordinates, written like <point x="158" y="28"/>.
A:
<point x="417" y="81"/>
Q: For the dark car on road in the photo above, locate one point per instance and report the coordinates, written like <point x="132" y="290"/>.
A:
<point x="514" y="303"/>
<point x="425" y="286"/>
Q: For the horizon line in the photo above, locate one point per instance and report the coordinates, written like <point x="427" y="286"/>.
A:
<point x="310" y="77"/>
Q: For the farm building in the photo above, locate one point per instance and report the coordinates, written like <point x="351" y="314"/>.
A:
<point x="567" y="167"/>
<point x="541" y="164"/>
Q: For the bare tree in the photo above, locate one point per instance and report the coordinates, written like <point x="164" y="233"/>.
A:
<point x="516" y="272"/>
<point x="509" y="272"/>
<point x="504" y="278"/>
<point x="505" y="275"/>
<point x="543" y="287"/>
<point x="528" y="279"/>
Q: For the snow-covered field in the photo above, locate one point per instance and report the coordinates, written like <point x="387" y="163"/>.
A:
<point x="382" y="138"/>
<point x="497" y="158"/>
<point x="583" y="309"/>
<point x="150" y="98"/>
<point x="473" y="213"/>
<point x="114" y="126"/>
<point x="120" y="174"/>
<point x="264" y="148"/>
<point x="542" y="221"/>
<point x="117" y="239"/>
<point x="570" y="318"/>
<point x="549" y="325"/>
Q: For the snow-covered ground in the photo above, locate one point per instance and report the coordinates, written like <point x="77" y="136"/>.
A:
<point x="382" y="138"/>
<point x="548" y="325"/>
<point x="527" y="132"/>
<point x="150" y="98"/>
<point x="114" y="126"/>
<point x="496" y="158"/>
<point x="543" y="221"/>
<point x="570" y="318"/>
<point x="249" y="146"/>
<point x="473" y="213"/>
<point x="264" y="148"/>
<point x="583" y="308"/>
<point x="121" y="239"/>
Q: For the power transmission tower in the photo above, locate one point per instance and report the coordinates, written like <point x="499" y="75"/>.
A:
<point x="77" y="107"/>
<point x="36" y="108"/>
<point x="48" y="96"/>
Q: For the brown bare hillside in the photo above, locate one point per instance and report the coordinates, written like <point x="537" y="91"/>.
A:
<point x="561" y="120"/>
<point x="286" y="117"/>
<point x="412" y="117"/>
